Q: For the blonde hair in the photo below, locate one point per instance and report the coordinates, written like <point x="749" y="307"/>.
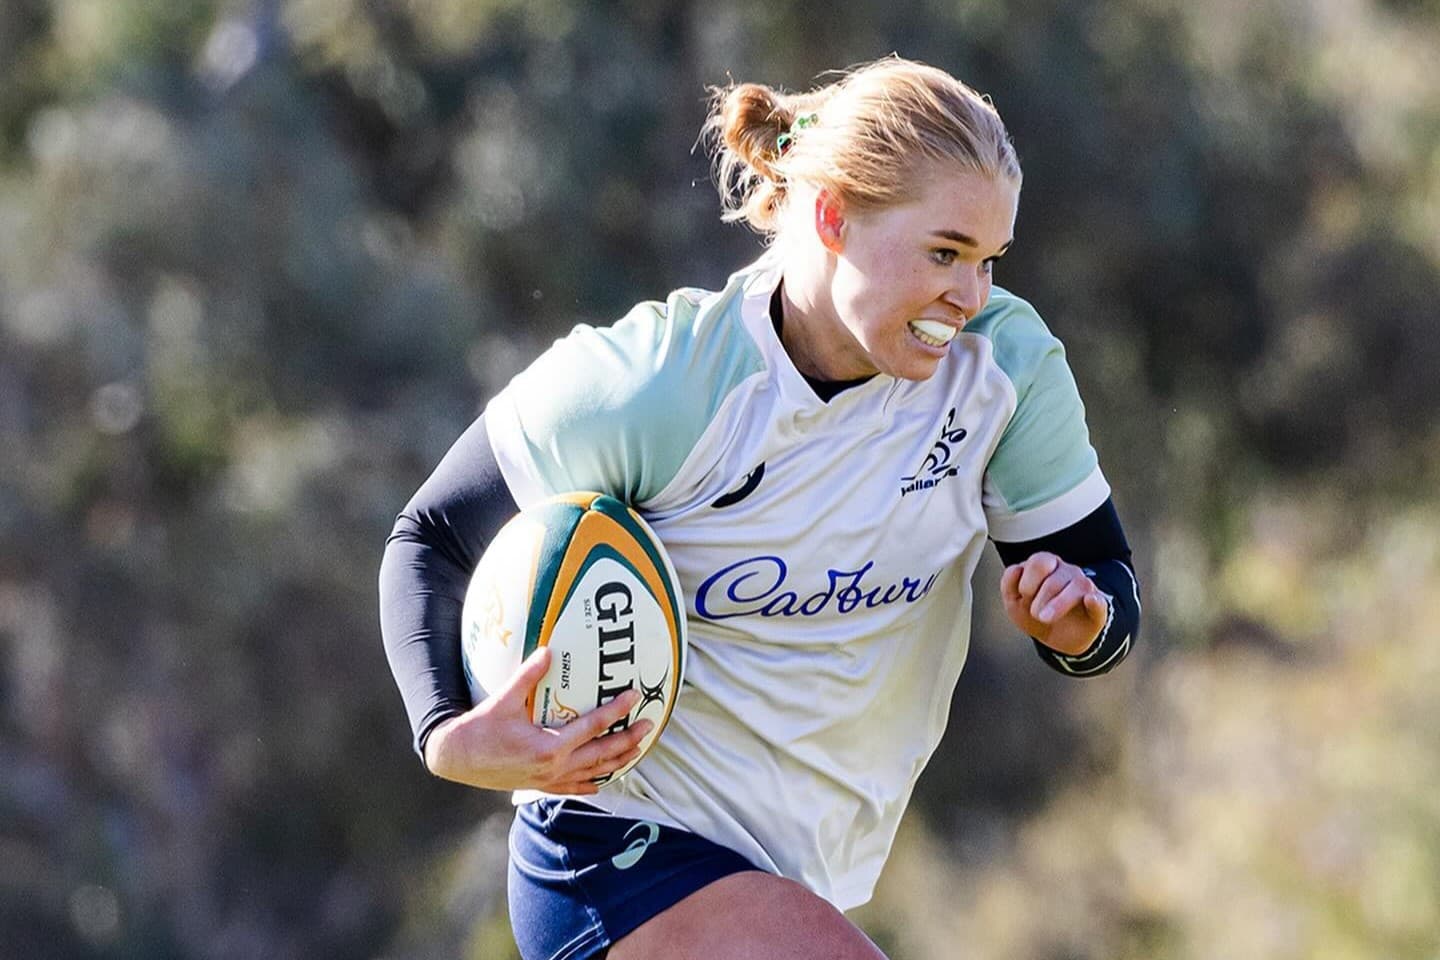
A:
<point x="872" y="134"/>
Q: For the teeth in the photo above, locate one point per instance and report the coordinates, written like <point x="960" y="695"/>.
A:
<point x="932" y="332"/>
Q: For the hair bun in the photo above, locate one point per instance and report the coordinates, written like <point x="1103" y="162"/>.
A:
<point x="752" y="118"/>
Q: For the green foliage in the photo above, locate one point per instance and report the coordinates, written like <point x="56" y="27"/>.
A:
<point x="100" y="41"/>
<point x="1273" y="793"/>
<point x="261" y="261"/>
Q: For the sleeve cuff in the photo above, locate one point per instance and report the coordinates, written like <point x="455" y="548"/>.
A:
<point x="1056" y="514"/>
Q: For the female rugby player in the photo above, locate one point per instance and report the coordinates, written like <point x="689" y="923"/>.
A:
<point x="824" y="445"/>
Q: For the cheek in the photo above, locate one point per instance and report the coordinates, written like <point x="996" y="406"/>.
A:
<point x="890" y="288"/>
<point x="872" y="308"/>
<point x="857" y="294"/>
<point x="917" y="294"/>
<point x="875" y="300"/>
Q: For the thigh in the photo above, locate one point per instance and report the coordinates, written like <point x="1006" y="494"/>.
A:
<point x="748" y="916"/>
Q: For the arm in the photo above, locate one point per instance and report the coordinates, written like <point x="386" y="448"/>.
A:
<point x="1069" y="583"/>
<point x="429" y="558"/>
<point x="1074" y="592"/>
<point x="432" y="550"/>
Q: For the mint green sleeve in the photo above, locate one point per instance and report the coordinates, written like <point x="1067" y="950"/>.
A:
<point x="1044" y="474"/>
<point x="616" y="409"/>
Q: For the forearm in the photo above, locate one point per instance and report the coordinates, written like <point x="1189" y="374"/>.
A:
<point x="422" y="593"/>
<point x="429" y="557"/>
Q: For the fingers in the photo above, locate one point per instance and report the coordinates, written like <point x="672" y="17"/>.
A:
<point x="597" y="759"/>
<point x="1035" y="571"/>
<point x="602" y="750"/>
<point x="581" y="751"/>
<point x="1010" y="584"/>
<point x="1044" y="589"/>
<point x="1020" y="583"/>
<point x="1097" y="605"/>
<point x="1053" y="602"/>
<point x="596" y="753"/>
<point x="599" y="770"/>
<point x="596" y="722"/>
<point x="1050" y="589"/>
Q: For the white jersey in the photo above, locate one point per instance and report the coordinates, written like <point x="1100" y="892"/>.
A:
<point x="825" y="549"/>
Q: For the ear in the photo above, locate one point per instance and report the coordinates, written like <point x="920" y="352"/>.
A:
<point x="830" y="221"/>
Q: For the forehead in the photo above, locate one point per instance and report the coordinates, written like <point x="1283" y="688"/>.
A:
<point x="975" y="204"/>
<point x="946" y="197"/>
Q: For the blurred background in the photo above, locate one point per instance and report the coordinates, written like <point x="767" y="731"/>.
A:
<point x="262" y="260"/>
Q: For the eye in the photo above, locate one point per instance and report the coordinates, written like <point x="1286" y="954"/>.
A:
<point x="989" y="265"/>
<point x="943" y="256"/>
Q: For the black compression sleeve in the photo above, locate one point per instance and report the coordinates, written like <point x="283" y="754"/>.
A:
<point x="432" y="551"/>
<point x="1097" y="545"/>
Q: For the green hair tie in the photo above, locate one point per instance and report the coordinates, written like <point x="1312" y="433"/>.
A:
<point x="783" y="142"/>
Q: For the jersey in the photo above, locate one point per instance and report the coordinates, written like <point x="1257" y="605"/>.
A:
<point x="825" y="549"/>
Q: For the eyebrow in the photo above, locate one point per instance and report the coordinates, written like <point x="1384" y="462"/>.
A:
<point x="966" y="240"/>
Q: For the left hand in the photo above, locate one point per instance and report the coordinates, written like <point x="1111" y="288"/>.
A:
<point x="1054" y="602"/>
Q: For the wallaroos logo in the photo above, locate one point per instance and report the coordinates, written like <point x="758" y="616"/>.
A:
<point x="938" y="462"/>
<point x="631" y="855"/>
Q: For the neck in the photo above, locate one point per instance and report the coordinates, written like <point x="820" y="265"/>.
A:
<point x="811" y="331"/>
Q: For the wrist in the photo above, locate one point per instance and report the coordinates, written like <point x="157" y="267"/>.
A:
<point x="438" y="746"/>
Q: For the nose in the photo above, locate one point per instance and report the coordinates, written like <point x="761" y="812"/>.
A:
<point x="966" y="293"/>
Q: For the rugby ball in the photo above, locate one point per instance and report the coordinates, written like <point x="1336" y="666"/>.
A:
<point x="582" y="574"/>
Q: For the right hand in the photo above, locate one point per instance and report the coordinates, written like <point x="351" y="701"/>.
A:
<point x="496" y="746"/>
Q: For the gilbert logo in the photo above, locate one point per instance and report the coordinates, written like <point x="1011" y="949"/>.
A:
<point x="614" y="605"/>
<point x="938" y="464"/>
<point x="652" y="693"/>
<point x="632" y="853"/>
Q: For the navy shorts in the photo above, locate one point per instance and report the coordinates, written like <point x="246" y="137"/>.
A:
<point x="580" y="878"/>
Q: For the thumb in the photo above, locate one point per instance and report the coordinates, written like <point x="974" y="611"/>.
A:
<point x="522" y="683"/>
<point x="1098" y="607"/>
<point x="1010" y="582"/>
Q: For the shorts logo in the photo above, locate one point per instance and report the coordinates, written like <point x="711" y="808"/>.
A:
<point x="752" y="480"/>
<point x="631" y="855"/>
<point x="938" y="465"/>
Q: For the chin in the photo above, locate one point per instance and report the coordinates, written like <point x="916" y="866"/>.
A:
<point x="919" y="364"/>
<point x="917" y="371"/>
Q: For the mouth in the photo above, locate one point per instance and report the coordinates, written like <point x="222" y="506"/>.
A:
<point x="933" y="333"/>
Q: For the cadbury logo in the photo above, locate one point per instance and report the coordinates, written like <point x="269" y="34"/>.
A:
<point x="758" y="585"/>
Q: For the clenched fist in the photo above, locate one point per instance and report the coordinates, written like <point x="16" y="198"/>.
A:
<point x="1054" y="602"/>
